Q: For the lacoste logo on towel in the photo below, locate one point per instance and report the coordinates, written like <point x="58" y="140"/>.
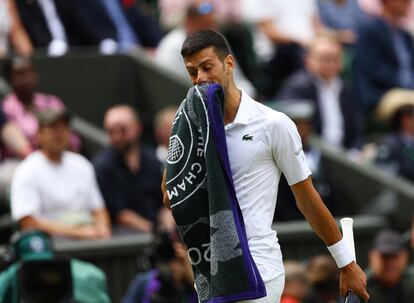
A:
<point x="247" y="137"/>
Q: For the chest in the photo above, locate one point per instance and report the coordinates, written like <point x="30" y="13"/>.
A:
<point x="248" y="148"/>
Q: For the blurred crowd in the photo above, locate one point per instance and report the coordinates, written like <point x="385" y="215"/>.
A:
<point x="342" y="70"/>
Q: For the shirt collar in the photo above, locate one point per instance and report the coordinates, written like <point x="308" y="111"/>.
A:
<point x="242" y="116"/>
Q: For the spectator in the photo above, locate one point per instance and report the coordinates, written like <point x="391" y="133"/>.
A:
<point x="388" y="260"/>
<point x="162" y="128"/>
<point x="54" y="190"/>
<point x="199" y="15"/>
<point x="384" y="54"/>
<point x="171" y="280"/>
<point x="12" y="30"/>
<point x="395" y="152"/>
<point x="129" y="174"/>
<point x="296" y="283"/>
<point x="23" y="103"/>
<point x="282" y="29"/>
<point x="336" y="118"/>
<point x="323" y="275"/>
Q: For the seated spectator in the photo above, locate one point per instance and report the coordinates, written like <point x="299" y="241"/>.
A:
<point x="296" y="283"/>
<point x="387" y="280"/>
<point x="129" y="174"/>
<point x="24" y="102"/>
<point x="12" y="31"/>
<point x="199" y="15"/>
<point x="395" y="151"/>
<point x="323" y="275"/>
<point x="54" y="190"/>
<point x="171" y="279"/>
<point x="384" y="55"/>
<point x="337" y="119"/>
<point x="162" y="129"/>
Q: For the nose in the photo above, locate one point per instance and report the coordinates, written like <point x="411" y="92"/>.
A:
<point x="201" y="77"/>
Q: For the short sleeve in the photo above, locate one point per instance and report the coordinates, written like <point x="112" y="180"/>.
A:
<point x="288" y="151"/>
<point x="25" y="196"/>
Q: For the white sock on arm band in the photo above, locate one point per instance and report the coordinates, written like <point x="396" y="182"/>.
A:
<point x="341" y="253"/>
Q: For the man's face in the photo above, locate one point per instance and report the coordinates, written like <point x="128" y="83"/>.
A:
<point x="123" y="130"/>
<point x="206" y="66"/>
<point x="325" y="59"/>
<point x="388" y="268"/>
<point x="54" y="138"/>
<point x="23" y="78"/>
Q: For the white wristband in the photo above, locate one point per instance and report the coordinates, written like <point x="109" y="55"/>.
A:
<point x="341" y="253"/>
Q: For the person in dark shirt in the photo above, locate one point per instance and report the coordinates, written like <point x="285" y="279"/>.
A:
<point x="129" y="174"/>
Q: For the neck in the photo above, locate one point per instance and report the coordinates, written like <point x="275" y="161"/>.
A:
<point x="55" y="157"/>
<point x="232" y="98"/>
<point x="132" y="158"/>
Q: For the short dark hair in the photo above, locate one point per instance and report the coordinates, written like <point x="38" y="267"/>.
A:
<point x="200" y="40"/>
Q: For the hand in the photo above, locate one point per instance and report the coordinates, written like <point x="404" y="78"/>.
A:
<point x="104" y="231"/>
<point x="353" y="278"/>
<point x="165" y="199"/>
<point x="89" y="232"/>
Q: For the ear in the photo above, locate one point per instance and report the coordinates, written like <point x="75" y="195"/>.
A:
<point x="229" y="63"/>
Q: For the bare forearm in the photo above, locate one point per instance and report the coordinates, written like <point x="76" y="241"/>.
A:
<point x="50" y="227"/>
<point x="18" y="35"/>
<point x="101" y="218"/>
<point x="315" y="212"/>
<point x="14" y="139"/>
<point x="134" y="220"/>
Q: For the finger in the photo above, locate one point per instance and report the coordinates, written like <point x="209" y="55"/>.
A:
<point x="363" y="294"/>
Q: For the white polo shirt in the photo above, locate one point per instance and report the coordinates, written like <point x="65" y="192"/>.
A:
<point x="263" y="144"/>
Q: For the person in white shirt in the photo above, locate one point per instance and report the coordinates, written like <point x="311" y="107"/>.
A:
<point x="256" y="168"/>
<point x="54" y="190"/>
<point x="337" y="118"/>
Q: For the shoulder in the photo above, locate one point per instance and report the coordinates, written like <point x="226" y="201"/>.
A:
<point x="299" y="77"/>
<point x="104" y="158"/>
<point x="273" y="118"/>
<point x="10" y="103"/>
<point x="76" y="160"/>
<point x="371" y="24"/>
<point x="32" y="164"/>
